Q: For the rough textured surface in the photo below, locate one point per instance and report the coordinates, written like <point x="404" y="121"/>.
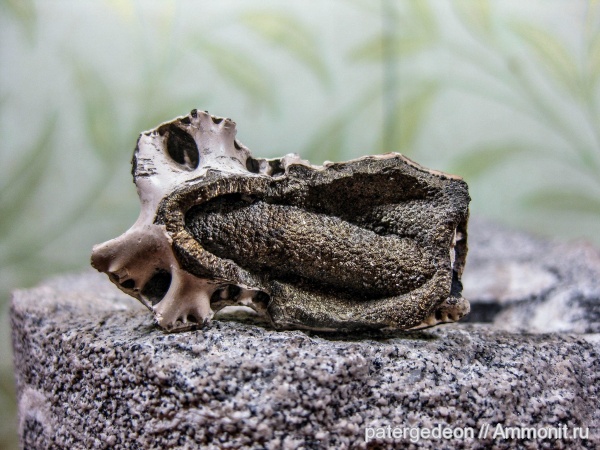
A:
<point x="378" y="242"/>
<point x="285" y="242"/>
<point x="93" y="371"/>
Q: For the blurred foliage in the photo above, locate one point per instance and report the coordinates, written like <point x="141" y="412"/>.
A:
<point x="25" y="179"/>
<point x="482" y="88"/>
<point x="248" y="77"/>
<point x="23" y="11"/>
<point x="568" y="111"/>
<point x="292" y="36"/>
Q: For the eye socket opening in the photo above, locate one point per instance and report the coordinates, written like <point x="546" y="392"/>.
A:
<point x="156" y="288"/>
<point x="182" y="148"/>
<point x="128" y="284"/>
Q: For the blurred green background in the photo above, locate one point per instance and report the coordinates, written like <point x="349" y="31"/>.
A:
<point x="505" y="93"/>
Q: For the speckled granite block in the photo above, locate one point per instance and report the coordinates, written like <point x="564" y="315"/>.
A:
<point x="94" y="372"/>
<point x="521" y="282"/>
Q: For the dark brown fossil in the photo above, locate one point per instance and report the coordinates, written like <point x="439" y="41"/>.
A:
<point x="374" y="243"/>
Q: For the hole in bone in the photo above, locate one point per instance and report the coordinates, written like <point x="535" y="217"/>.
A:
<point x="252" y="165"/>
<point x="191" y="318"/>
<point x="438" y="315"/>
<point x="182" y="148"/>
<point x="229" y="292"/>
<point x="128" y="284"/>
<point x="276" y="168"/>
<point x="236" y="145"/>
<point x="234" y="291"/>
<point x="262" y="297"/>
<point x="156" y="288"/>
<point x="218" y="295"/>
<point x="217" y="120"/>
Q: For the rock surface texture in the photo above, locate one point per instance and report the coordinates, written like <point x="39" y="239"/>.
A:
<point x="94" y="371"/>
<point x="520" y="282"/>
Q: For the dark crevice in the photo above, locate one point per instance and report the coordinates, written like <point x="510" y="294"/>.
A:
<point x="128" y="284"/>
<point x="457" y="287"/>
<point x="483" y="313"/>
<point x="157" y="287"/>
<point x="182" y="148"/>
<point x="231" y="292"/>
<point x="191" y="318"/>
<point x="252" y="165"/>
<point x="276" y="168"/>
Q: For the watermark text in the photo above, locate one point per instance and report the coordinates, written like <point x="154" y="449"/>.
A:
<point x="486" y="431"/>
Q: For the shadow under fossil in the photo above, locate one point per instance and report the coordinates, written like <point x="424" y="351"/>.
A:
<point x="248" y="316"/>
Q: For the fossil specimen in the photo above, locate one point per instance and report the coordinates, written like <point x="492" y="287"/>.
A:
<point x="374" y="243"/>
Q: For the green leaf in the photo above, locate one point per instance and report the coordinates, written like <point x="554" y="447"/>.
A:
<point x="329" y="142"/>
<point x="566" y="201"/>
<point x="100" y="112"/>
<point x="476" y="163"/>
<point x="420" y="13"/>
<point x="475" y="14"/>
<point x="402" y="128"/>
<point x="286" y="32"/>
<point x="26" y="178"/>
<point x="38" y="266"/>
<point x="385" y="46"/>
<point x="239" y="70"/>
<point x="594" y="59"/>
<point x="552" y="53"/>
<point x="405" y="32"/>
<point x="30" y="246"/>
<point x="24" y="11"/>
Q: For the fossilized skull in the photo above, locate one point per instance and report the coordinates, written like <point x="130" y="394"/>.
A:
<point x="378" y="242"/>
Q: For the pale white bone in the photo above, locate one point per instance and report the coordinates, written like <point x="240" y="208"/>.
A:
<point x="146" y="248"/>
<point x="188" y="297"/>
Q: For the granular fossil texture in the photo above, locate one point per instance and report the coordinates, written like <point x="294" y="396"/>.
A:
<point x="374" y="243"/>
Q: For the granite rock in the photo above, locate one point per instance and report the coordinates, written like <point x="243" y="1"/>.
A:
<point x="521" y="282"/>
<point x="93" y="371"/>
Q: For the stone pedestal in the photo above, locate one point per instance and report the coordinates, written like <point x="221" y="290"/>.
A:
<point x="93" y="371"/>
